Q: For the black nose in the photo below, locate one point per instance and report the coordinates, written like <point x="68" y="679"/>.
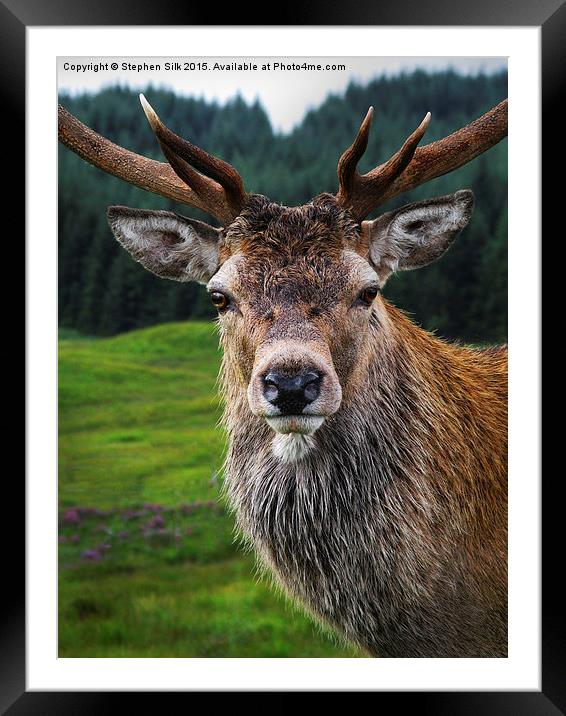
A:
<point x="290" y="393"/>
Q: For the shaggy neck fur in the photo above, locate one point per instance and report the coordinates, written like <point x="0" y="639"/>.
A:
<point x="385" y="523"/>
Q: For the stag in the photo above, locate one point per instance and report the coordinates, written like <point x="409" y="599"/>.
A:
<point x="367" y="458"/>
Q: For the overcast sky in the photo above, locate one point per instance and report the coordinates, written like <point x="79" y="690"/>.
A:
<point x="286" y="95"/>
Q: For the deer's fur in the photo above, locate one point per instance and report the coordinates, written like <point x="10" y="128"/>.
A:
<point x="389" y="523"/>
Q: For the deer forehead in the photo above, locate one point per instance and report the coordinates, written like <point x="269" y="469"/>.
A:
<point x="275" y="278"/>
<point x="290" y="252"/>
<point x="267" y="229"/>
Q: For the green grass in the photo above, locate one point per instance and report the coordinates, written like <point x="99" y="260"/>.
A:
<point x="148" y="565"/>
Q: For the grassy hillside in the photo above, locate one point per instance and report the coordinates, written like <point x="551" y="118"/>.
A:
<point x="148" y="565"/>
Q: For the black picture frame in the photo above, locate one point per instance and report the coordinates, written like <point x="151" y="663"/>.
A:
<point x="550" y="16"/>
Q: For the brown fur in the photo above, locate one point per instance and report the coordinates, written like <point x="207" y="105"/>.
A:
<point x="428" y="417"/>
<point x="406" y="521"/>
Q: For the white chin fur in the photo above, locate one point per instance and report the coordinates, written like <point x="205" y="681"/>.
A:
<point x="302" y="424"/>
<point x="291" y="447"/>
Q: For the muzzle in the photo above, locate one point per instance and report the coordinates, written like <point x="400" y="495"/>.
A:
<point x="294" y="386"/>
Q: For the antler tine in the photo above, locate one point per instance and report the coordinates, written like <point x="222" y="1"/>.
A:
<point x="348" y="162"/>
<point x="183" y="155"/>
<point x="412" y="166"/>
<point x="452" y="152"/>
<point x="148" y="174"/>
<point x="177" y="180"/>
<point x="358" y="191"/>
<point x="379" y="178"/>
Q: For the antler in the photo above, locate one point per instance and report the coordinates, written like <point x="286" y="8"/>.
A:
<point x="218" y="190"/>
<point x="409" y="167"/>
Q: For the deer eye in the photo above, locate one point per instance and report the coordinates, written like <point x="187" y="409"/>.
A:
<point x="219" y="300"/>
<point x="368" y="295"/>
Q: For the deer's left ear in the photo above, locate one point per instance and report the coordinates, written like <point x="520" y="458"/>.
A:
<point x="170" y="245"/>
<point x="417" y="234"/>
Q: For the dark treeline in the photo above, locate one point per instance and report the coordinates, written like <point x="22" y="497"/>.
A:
<point x="463" y="296"/>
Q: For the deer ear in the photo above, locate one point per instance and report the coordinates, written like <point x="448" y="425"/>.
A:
<point x="417" y="234"/>
<point x="170" y="245"/>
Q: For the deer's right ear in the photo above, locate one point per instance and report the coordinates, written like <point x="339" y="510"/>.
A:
<point x="170" y="245"/>
<point x="416" y="234"/>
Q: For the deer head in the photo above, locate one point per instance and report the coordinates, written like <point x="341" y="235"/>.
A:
<point x="296" y="289"/>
